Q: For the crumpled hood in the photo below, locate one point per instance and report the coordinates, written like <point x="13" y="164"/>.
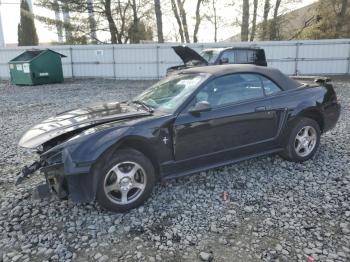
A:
<point x="81" y="118"/>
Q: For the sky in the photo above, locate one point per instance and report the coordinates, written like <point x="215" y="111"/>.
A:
<point x="10" y="18"/>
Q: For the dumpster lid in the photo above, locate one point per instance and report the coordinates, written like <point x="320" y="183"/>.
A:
<point x="29" y="55"/>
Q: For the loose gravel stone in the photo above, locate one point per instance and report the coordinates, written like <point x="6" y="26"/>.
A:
<point x="205" y="256"/>
<point x="276" y="211"/>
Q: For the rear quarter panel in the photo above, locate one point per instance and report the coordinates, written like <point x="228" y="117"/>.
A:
<point x="297" y="102"/>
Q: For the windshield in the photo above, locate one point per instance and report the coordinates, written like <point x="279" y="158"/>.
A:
<point x="168" y="94"/>
<point x="210" y="55"/>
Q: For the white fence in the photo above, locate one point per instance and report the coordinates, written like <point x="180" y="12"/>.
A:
<point x="150" y="61"/>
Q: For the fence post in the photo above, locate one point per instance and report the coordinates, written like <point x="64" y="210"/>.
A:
<point x="158" y="65"/>
<point x="348" y="71"/>
<point x="114" y="71"/>
<point x="296" y="70"/>
<point x="71" y="61"/>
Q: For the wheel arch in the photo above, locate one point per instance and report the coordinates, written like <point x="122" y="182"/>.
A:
<point x="134" y="142"/>
<point x="313" y="114"/>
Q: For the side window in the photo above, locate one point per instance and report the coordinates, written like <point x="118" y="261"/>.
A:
<point x="241" y="56"/>
<point x="269" y="86"/>
<point x="230" y="55"/>
<point x="231" y="89"/>
<point x="251" y="56"/>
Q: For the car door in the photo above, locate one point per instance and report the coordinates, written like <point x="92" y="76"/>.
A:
<point x="239" y="120"/>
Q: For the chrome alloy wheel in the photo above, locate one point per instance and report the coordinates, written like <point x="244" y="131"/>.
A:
<point x="125" y="183"/>
<point x="305" y="141"/>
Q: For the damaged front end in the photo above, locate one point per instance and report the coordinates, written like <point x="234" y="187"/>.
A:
<point x="27" y="171"/>
<point x="63" y="177"/>
<point x="69" y="144"/>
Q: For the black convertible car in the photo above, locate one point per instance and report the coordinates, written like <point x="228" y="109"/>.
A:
<point x="198" y="119"/>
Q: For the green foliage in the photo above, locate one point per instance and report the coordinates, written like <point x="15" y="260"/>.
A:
<point x="138" y="32"/>
<point x="77" y="28"/>
<point x="26" y="28"/>
<point x="332" y="21"/>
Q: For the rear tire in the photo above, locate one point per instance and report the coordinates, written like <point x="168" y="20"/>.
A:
<point x="126" y="180"/>
<point x="303" y="140"/>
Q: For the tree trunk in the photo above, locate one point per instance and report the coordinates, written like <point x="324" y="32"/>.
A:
<point x="178" y="20"/>
<point x="274" y="22"/>
<point x="264" y="26"/>
<point x="121" y="10"/>
<point x="26" y="28"/>
<point x="111" y="24"/>
<point x="198" y="21"/>
<point x="135" y="26"/>
<point x="57" y="10"/>
<point x="66" y="23"/>
<point x="183" y="19"/>
<point x="252" y="34"/>
<point x="158" y="12"/>
<point x="92" y="21"/>
<point x="215" y="22"/>
<point x="340" y="18"/>
<point x="245" y="21"/>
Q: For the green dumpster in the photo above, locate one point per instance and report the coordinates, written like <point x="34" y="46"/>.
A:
<point x="36" y="67"/>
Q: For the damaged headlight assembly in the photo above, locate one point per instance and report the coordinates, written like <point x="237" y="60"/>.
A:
<point x="55" y="155"/>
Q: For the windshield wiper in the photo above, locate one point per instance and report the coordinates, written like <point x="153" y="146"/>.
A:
<point x="144" y="105"/>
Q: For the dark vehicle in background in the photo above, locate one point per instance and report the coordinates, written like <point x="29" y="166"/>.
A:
<point x="200" y="118"/>
<point x="218" y="56"/>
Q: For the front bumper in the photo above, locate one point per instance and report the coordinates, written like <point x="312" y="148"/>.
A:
<point x="67" y="179"/>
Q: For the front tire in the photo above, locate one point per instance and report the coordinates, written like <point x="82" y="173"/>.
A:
<point x="303" y="140"/>
<point x="126" y="180"/>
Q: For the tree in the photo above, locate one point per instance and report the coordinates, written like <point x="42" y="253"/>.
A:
<point x="158" y="12"/>
<point x="26" y="28"/>
<point x="211" y="14"/>
<point x="178" y="20"/>
<point x="66" y="23"/>
<point x="341" y="17"/>
<point x="330" y="21"/>
<point x="92" y="21"/>
<point x="255" y="9"/>
<point x="138" y="30"/>
<point x="198" y="21"/>
<point x="245" y="21"/>
<point x="275" y="22"/>
<point x="142" y="33"/>
<point x="74" y="23"/>
<point x="215" y="21"/>
<point x="111" y="24"/>
<point x="183" y="16"/>
<point x="264" y="25"/>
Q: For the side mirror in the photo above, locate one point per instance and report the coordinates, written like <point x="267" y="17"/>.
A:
<point x="201" y="106"/>
<point x="224" y="60"/>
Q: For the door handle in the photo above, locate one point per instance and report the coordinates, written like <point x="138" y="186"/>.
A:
<point x="260" y="108"/>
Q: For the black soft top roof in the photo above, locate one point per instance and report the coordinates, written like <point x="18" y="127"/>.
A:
<point x="219" y="70"/>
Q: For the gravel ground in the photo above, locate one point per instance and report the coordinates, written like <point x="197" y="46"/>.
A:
<point x="276" y="210"/>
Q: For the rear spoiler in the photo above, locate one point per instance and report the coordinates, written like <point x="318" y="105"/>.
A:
<point x="321" y="80"/>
